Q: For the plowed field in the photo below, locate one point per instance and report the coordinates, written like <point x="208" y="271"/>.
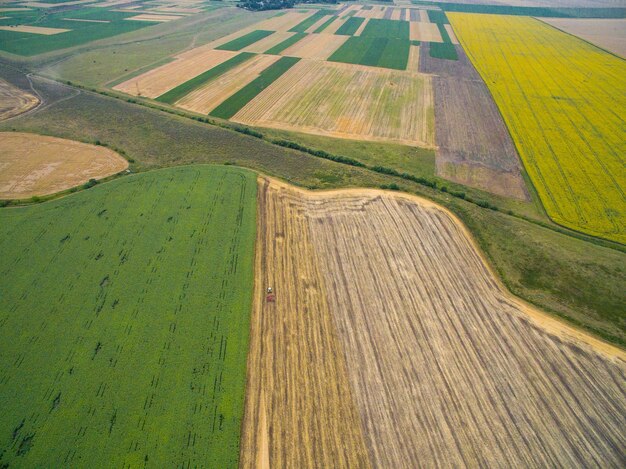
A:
<point x="14" y="101"/>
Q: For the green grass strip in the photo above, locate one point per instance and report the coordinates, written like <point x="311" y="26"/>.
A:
<point x="350" y="26"/>
<point x="325" y="25"/>
<point x="310" y="21"/>
<point x="234" y="103"/>
<point x="245" y="41"/>
<point x="177" y="93"/>
<point x="444" y="33"/>
<point x="278" y="48"/>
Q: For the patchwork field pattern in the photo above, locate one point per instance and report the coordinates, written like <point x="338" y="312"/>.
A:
<point x="14" y="101"/>
<point x="416" y="320"/>
<point x="46" y="27"/>
<point x="132" y="301"/>
<point x="564" y="102"/>
<point x="338" y="100"/>
<point x="33" y="164"/>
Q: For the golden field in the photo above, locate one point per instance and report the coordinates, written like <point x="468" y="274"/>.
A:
<point x="564" y="102"/>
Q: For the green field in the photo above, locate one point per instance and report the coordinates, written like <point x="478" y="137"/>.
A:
<point x="387" y="28"/>
<point x="350" y="26"/>
<point x="278" y="48"/>
<point x="374" y="51"/>
<point x="177" y="93"/>
<point x="325" y="25"/>
<point x="310" y="21"/>
<point x="124" y="319"/>
<point x="28" y="44"/>
<point x="245" y="40"/>
<point x="235" y="102"/>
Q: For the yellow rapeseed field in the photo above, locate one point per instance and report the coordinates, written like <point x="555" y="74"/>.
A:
<point x="564" y="102"/>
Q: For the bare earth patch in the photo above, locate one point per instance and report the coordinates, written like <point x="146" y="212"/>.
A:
<point x="14" y="101"/>
<point x="426" y="32"/>
<point x="388" y="330"/>
<point x="33" y="164"/>
<point x="316" y="46"/>
<point x="347" y="101"/>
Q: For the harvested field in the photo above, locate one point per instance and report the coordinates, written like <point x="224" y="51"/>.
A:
<point x="283" y="22"/>
<point x="267" y="43"/>
<point x="425" y="32"/>
<point x="14" y="101"/>
<point x="34" y="30"/>
<point x="162" y="79"/>
<point x="347" y="101"/>
<point x="333" y="27"/>
<point x="157" y="18"/>
<point x="414" y="59"/>
<point x="316" y="46"/>
<point x="610" y="34"/>
<point x="451" y="34"/>
<point x="442" y="367"/>
<point x="206" y="98"/>
<point x="33" y="165"/>
<point x="318" y="24"/>
<point x="295" y="357"/>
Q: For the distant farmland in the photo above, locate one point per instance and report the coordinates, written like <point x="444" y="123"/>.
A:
<point x="124" y="319"/>
<point x="564" y="102"/>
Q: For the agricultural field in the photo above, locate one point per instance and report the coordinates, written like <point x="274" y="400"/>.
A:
<point x="212" y="79"/>
<point x="564" y="103"/>
<point x="132" y="302"/>
<point x="39" y="30"/>
<point x="14" y="101"/>
<point x="35" y="165"/>
<point x="336" y="100"/>
<point x="395" y="273"/>
<point x="474" y="147"/>
<point x="609" y="34"/>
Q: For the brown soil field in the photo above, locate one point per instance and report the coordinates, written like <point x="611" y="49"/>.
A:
<point x="347" y="101"/>
<point x="282" y="23"/>
<point x="385" y="308"/>
<point x="318" y="23"/>
<point x="474" y="147"/>
<point x="266" y="43"/>
<point x="34" y="30"/>
<point x="33" y="164"/>
<point x="334" y="26"/>
<point x="427" y="32"/>
<point x="609" y="34"/>
<point x="155" y="82"/>
<point x="14" y="101"/>
<point x="206" y="98"/>
<point x="316" y="46"/>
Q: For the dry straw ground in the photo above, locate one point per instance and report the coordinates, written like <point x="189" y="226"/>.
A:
<point x="38" y="165"/>
<point x="14" y="101"/>
<point x="387" y="314"/>
<point x="347" y="101"/>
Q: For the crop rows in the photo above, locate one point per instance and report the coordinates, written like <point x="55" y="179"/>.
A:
<point x="132" y="302"/>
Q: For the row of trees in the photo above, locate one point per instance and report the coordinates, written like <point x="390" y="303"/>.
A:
<point x="257" y="5"/>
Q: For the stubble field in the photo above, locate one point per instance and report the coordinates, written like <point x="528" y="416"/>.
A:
<point x="35" y="165"/>
<point x="14" y="101"/>
<point x="441" y="366"/>
<point x="348" y="101"/>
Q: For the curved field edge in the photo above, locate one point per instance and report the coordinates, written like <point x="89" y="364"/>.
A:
<point x="132" y="301"/>
<point x="573" y="157"/>
<point x="577" y="279"/>
<point x="413" y="307"/>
